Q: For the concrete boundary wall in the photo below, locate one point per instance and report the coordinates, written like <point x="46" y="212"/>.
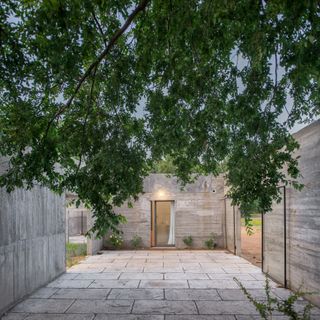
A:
<point x="232" y="228"/>
<point x="32" y="242"/>
<point x="76" y="221"/>
<point x="303" y="222"/>
<point x="94" y="245"/>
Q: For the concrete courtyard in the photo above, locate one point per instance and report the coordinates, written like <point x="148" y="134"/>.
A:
<point x="153" y="284"/>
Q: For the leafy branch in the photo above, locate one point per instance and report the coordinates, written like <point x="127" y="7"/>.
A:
<point x="143" y="4"/>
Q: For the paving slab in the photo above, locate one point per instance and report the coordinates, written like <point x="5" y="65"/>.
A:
<point x="253" y="284"/>
<point x="251" y="317"/>
<point x="115" y="284"/>
<point x="213" y="284"/>
<point x="89" y="294"/>
<point x="137" y="294"/>
<point x="68" y="276"/>
<point x="226" y="307"/>
<point x="185" y="276"/>
<point x="60" y="317"/>
<point x="200" y="317"/>
<point x="14" y="316"/>
<point x="43" y="305"/>
<point x="128" y="317"/>
<point x="165" y="269"/>
<point x="192" y="294"/>
<point x="164" y="307"/>
<point x="230" y="276"/>
<point x="98" y="276"/>
<point x="76" y="284"/>
<point x="44" y="293"/>
<point x="101" y="306"/>
<point x="163" y="284"/>
<point x="237" y="294"/>
<point x="142" y="275"/>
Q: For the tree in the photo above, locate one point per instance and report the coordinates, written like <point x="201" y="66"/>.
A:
<point x="213" y="77"/>
<point x="164" y="166"/>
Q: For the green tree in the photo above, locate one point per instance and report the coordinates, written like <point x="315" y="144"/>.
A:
<point x="213" y="77"/>
<point x="164" y="166"/>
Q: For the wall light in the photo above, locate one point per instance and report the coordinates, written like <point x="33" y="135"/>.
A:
<point x="160" y="193"/>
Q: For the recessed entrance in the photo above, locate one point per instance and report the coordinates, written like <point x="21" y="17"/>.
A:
<point x="163" y="224"/>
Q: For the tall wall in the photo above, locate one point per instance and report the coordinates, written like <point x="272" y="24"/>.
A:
<point x="273" y="241"/>
<point x="76" y="221"/>
<point x="232" y="225"/>
<point x="199" y="209"/>
<point x="303" y="221"/>
<point x="32" y="241"/>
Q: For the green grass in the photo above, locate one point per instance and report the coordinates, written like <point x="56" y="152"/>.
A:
<point x="75" y="252"/>
<point x="256" y="222"/>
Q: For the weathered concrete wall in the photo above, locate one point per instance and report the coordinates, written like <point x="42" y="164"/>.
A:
<point x="77" y="221"/>
<point x="32" y="242"/>
<point x="232" y="227"/>
<point x="273" y="242"/>
<point x="199" y="210"/>
<point x="138" y="221"/>
<point x="93" y="244"/>
<point x="303" y="220"/>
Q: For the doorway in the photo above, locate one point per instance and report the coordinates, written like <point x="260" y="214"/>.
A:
<point x="163" y="224"/>
<point x="251" y="242"/>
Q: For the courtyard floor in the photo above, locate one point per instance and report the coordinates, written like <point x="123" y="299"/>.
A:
<point x="153" y="284"/>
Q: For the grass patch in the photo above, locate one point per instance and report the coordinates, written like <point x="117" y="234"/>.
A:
<point x="256" y="222"/>
<point x="75" y="252"/>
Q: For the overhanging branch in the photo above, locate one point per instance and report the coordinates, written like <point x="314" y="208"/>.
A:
<point x="142" y="5"/>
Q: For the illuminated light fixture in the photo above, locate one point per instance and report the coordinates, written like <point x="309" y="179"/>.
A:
<point x="160" y="193"/>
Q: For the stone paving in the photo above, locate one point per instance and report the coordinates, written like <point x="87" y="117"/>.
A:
<point x="151" y="285"/>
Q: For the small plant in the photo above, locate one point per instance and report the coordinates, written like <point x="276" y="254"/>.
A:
<point x="188" y="241"/>
<point x="211" y="242"/>
<point x="136" y="241"/>
<point x="286" y="307"/>
<point x="116" y="240"/>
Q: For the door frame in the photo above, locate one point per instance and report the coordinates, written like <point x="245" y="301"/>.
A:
<point x="153" y="237"/>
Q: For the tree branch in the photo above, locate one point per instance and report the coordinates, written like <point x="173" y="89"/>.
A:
<point x="142" y="5"/>
<point x="100" y="28"/>
<point x="105" y="52"/>
<point x="89" y="109"/>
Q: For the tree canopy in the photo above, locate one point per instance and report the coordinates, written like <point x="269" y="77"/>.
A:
<point x="93" y="92"/>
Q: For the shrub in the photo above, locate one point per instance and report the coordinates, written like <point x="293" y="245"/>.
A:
<point x="136" y="241"/>
<point x="116" y="240"/>
<point x="188" y="241"/>
<point x="285" y="307"/>
<point x="211" y="242"/>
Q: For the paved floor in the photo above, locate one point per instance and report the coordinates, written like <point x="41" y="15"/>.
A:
<point x="155" y="285"/>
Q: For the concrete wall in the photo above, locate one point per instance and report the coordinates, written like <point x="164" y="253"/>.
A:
<point x="199" y="210"/>
<point x="303" y="221"/>
<point x="94" y="244"/>
<point x="273" y="242"/>
<point x="73" y="225"/>
<point x="32" y="241"/>
<point x="232" y="227"/>
<point x="77" y="221"/>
